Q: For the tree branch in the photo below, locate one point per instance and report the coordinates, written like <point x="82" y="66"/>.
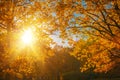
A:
<point x="105" y="21"/>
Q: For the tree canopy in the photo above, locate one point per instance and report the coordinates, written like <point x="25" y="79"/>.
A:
<point x="89" y="28"/>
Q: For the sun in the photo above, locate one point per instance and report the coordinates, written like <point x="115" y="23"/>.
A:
<point x="27" y="37"/>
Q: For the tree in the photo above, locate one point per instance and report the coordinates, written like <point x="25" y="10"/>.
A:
<point x="94" y="24"/>
<point x="61" y="63"/>
<point x="103" y="17"/>
<point x="102" y="21"/>
<point x="15" y="60"/>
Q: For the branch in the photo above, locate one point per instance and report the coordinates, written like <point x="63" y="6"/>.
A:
<point x="105" y="21"/>
<point x="98" y="23"/>
<point x="94" y="15"/>
<point x="116" y="24"/>
<point x="113" y="55"/>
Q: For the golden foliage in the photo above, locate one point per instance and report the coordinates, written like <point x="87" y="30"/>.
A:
<point x="94" y="22"/>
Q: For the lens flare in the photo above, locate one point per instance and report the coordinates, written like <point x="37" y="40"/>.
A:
<point x="27" y="37"/>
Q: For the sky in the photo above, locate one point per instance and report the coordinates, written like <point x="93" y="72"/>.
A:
<point x="59" y="40"/>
